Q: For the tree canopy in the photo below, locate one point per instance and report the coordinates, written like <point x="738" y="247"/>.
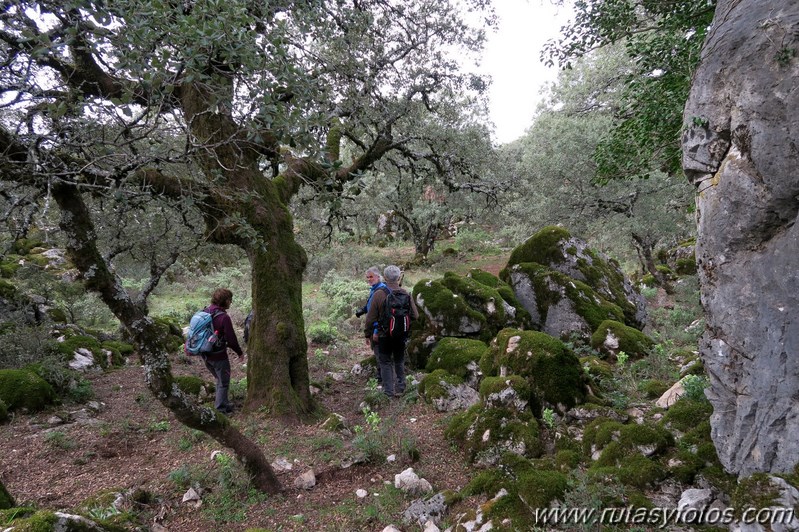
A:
<point x="219" y="111"/>
<point x="663" y="40"/>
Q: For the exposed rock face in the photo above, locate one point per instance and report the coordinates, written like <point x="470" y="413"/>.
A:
<point x="739" y="149"/>
<point x="475" y="306"/>
<point x="568" y="288"/>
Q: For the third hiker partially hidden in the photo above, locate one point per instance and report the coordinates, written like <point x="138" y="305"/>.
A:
<point x="390" y="313"/>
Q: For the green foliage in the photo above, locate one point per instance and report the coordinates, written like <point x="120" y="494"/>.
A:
<point x="475" y="240"/>
<point x="58" y="440"/>
<point x="21" y="345"/>
<point x="662" y="37"/>
<point x="454" y="354"/>
<point x="345" y="294"/>
<point x="322" y="333"/>
<point x="548" y="417"/>
<point x="370" y="439"/>
<point x="694" y="386"/>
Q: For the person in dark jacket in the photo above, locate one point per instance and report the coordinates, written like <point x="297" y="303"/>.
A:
<point x="217" y="361"/>
<point x="375" y="281"/>
<point x="391" y="349"/>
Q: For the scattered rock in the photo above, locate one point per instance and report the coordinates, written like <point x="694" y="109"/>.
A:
<point x="305" y="481"/>
<point x="422" y="512"/>
<point x="361" y="493"/>
<point x="671" y="395"/>
<point x="409" y="482"/>
<point x="191" y="497"/>
<point x="281" y="464"/>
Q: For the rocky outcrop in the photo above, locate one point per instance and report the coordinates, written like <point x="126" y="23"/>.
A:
<point x="569" y="288"/>
<point x="739" y="150"/>
<point x="475" y="306"/>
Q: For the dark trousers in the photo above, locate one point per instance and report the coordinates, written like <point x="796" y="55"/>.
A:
<point x="391" y="355"/>
<point x="376" y="351"/>
<point x="220" y="369"/>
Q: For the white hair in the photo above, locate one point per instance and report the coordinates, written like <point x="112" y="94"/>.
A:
<point x="392" y="273"/>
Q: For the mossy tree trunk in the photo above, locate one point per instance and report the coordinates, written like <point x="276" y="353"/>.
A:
<point x="277" y="376"/>
<point x="76" y="222"/>
<point x="645" y="246"/>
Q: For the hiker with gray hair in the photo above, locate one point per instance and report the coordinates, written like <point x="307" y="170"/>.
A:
<point x="375" y="281"/>
<point x="388" y="324"/>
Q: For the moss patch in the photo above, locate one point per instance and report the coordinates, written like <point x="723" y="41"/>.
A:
<point x="448" y="308"/>
<point x="552" y="371"/>
<point x="685" y="414"/>
<point x="542" y="247"/>
<point x="24" y="389"/>
<point x="630" y="340"/>
<point x="492" y="385"/>
<point x="453" y="355"/>
<point x="431" y="386"/>
<point x="191" y="385"/>
<point x="6" y="500"/>
<point x="487" y="433"/>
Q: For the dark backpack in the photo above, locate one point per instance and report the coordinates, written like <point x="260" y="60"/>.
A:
<point x="395" y="320"/>
<point x="201" y="339"/>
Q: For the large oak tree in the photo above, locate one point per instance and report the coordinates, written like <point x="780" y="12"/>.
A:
<point x="221" y="110"/>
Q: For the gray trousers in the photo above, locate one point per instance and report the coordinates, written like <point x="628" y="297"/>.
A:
<point x="220" y="369"/>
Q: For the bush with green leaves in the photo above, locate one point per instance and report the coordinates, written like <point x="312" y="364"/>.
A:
<point x="345" y="294"/>
<point x="21" y="345"/>
<point x="322" y="333"/>
<point x="694" y="386"/>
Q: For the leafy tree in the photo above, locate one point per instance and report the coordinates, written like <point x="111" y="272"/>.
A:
<point x="556" y="172"/>
<point x="444" y="175"/>
<point x="663" y="39"/>
<point x="220" y="111"/>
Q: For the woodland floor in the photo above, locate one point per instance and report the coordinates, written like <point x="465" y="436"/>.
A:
<point x="134" y="442"/>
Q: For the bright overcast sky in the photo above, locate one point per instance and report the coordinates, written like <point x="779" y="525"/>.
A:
<point x="512" y="59"/>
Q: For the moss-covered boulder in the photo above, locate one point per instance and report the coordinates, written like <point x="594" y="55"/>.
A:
<point x="512" y="392"/>
<point x="488" y="433"/>
<point x="514" y="487"/>
<point x="612" y="337"/>
<point x="447" y="392"/>
<point x="82" y="351"/>
<point x="458" y="356"/>
<point x="475" y="306"/>
<point x="21" y="388"/>
<point x="552" y="371"/>
<point x="568" y="287"/>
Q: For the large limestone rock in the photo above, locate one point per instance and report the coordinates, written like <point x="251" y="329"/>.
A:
<point x="568" y="288"/>
<point x="739" y="149"/>
<point x="474" y="306"/>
